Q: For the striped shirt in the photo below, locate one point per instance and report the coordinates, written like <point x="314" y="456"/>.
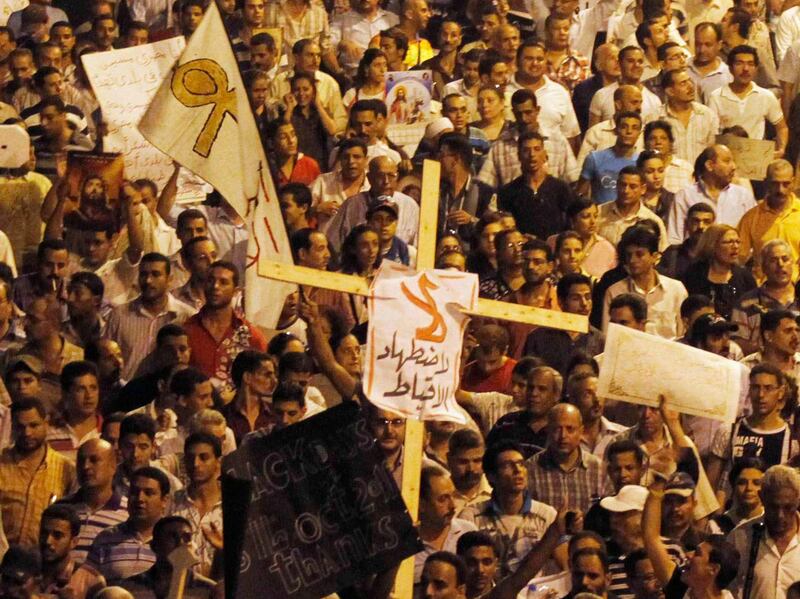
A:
<point x="183" y="505"/>
<point x="135" y="329"/>
<point x="549" y="483"/>
<point x="64" y="440"/>
<point x="620" y="584"/>
<point x="700" y="133"/>
<point x="114" y="512"/>
<point x="118" y="552"/>
<point x="312" y="25"/>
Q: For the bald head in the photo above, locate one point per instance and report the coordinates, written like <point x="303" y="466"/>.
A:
<point x="113" y="593"/>
<point x="97" y="462"/>
<point x="779" y="166"/>
<point x="628" y="98"/>
<point x="564" y="430"/>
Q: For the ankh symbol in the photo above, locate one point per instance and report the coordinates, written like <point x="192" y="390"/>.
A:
<point x="201" y="82"/>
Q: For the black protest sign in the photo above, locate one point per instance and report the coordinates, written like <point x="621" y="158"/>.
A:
<point x="311" y="509"/>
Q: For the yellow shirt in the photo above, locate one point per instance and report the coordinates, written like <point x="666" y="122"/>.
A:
<point x="418" y="52"/>
<point x="761" y="224"/>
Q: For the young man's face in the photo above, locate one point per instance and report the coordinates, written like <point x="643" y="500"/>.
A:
<point x="640" y="260"/>
<point x="55" y="540"/>
<point x="287" y="413"/>
<point x="136" y="450"/>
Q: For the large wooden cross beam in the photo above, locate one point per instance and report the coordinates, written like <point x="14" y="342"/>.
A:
<point x="426" y="256"/>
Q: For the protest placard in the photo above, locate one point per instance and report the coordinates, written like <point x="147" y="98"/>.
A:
<point x="416" y="326"/>
<point x="124" y="82"/>
<point x="638" y="367"/>
<point x="15" y="146"/>
<point x="752" y="156"/>
<point x="311" y="509"/>
<point x="93" y="182"/>
<point x="408" y="96"/>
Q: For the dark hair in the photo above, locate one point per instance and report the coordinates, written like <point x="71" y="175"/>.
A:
<point x="475" y="538"/>
<point x="54" y="101"/>
<point x="399" y="37"/>
<point x="138" y="424"/>
<point x="137" y="26"/>
<point x="771" y="319"/>
<point x="289" y="391"/>
<point x="538" y="245"/>
<point x="494" y="450"/>
<point x="578" y="205"/>
<point x="302" y="44"/>
<point x="635" y="303"/>
<point x="745" y="463"/>
<point x="488" y="62"/>
<point x="159" y="527"/>
<point x="585" y="534"/>
<point x="89" y="280"/>
<point x="454" y="560"/>
<point x="247" y="360"/>
<point x="523" y="95"/>
<point x="526" y="365"/>
<point x="581" y="358"/>
<point x="566" y="283"/>
<point x="169" y="330"/>
<point x="637" y="236"/>
<point x="661" y="54"/>
<point x="462" y="439"/>
<point x="743" y="22"/>
<point x="368" y="106"/>
<point x="590" y="552"/>
<point x="427" y="473"/>
<point x="41" y="73"/>
<point x="625" y="446"/>
<point x="715" y="27"/>
<point x="301" y="76"/>
<point x="628" y="50"/>
<point x="700" y="207"/>
<point x="472" y="55"/>
<point x="63" y="511"/>
<point x="301" y="240"/>
<point x="530" y="42"/>
<point x="459" y="145"/>
<point x="633" y="558"/>
<point x="277" y="345"/>
<point x="263" y="39"/>
<point x="75" y="370"/>
<point x="659" y="124"/>
<point x="186" y="250"/>
<point x="630" y="169"/>
<point x="294" y="361"/>
<point x="369" y="56"/>
<point x="768" y="368"/>
<point x="727" y="557"/>
<point x="644" y="156"/>
<point x="301" y="194"/>
<point x="349" y="260"/>
<point x="155" y="474"/>
<point x="527" y="136"/>
<point x="230" y="267"/>
<point x="626" y="114"/>
<point x="349" y="143"/>
<point x="187" y="215"/>
<point x="28" y="403"/>
<point x="155" y="257"/>
<point x="693" y="303"/>
<point x="50" y="245"/>
<point x="184" y="381"/>
<point x="201" y="437"/>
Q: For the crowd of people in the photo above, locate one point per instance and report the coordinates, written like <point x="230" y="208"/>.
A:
<point x="581" y="172"/>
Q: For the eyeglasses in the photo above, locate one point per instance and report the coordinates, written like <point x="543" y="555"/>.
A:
<point x="385" y="422"/>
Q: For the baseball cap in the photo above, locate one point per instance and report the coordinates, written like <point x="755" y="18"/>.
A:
<point x="26" y="361"/>
<point x="680" y="484"/>
<point x="710" y="323"/>
<point x="438" y="126"/>
<point x="383" y="203"/>
<point x="630" y="497"/>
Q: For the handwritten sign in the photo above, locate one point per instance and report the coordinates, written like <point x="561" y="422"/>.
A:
<point x="10" y="6"/>
<point x="124" y="82"/>
<point x="752" y="156"/>
<point x="311" y="509"/>
<point x="416" y="325"/>
<point x="637" y="367"/>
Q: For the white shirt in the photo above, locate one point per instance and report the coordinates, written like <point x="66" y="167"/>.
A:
<point x="789" y="69"/>
<point x="603" y="103"/>
<point x="328" y="188"/>
<point x="663" y="304"/>
<point x="555" y="107"/>
<point x="355" y="27"/>
<point x="787" y="32"/>
<point x="707" y="83"/>
<point x="749" y="112"/>
<point x="611" y="224"/>
<point x="730" y="206"/>
<point x="700" y="133"/>
<point x="157" y="14"/>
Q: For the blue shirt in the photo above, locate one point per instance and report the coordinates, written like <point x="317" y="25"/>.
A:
<point x="601" y="167"/>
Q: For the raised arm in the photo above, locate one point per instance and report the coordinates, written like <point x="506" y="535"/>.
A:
<point x="663" y="565"/>
<point x="167" y="198"/>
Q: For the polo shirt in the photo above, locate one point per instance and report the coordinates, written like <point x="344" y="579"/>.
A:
<point x="114" y="512"/>
<point x="601" y="169"/>
<point x="612" y="224"/>
<point x="750" y="112"/>
<point x="761" y="224"/>
<point x="787" y="31"/>
<point x="541" y="212"/>
<point x="555" y="107"/>
<point x="708" y="82"/>
<point x="700" y="133"/>
<point x="119" y="552"/>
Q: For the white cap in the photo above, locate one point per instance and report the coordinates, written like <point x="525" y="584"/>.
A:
<point x="437" y="127"/>
<point x="630" y="497"/>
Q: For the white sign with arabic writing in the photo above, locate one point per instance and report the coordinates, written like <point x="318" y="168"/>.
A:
<point x="416" y="326"/>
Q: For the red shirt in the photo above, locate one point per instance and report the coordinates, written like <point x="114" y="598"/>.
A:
<point x="305" y="171"/>
<point x="498" y="380"/>
<point x="215" y="359"/>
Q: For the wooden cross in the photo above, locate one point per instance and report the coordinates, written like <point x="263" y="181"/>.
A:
<point x="426" y="255"/>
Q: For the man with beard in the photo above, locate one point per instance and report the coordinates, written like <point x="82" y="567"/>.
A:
<point x="780" y="335"/>
<point x="598" y="431"/>
<point x="93" y="206"/>
<point x="58" y="536"/>
<point x="439" y="529"/>
<point x="33" y="474"/>
<point x="677" y="257"/>
<point x="590" y="574"/>
<point x="465" y="463"/>
<point x="574" y="293"/>
<point x="217" y="333"/>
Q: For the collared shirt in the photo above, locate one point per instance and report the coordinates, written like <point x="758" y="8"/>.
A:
<point x="747" y="314"/>
<point x="328" y="188"/>
<point x="214" y="358"/>
<point x="64" y="440"/>
<point x="730" y="206"/>
<point x="239" y="423"/>
<point x="555" y="107"/>
<point x="761" y="224"/>
<point x="313" y="24"/>
<point x="612" y="224"/>
<point x="787" y="31"/>
<point x="678" y="174"/>
<point x="354" y="211"/>
<point x="708" y="82"/>
<point x="571" y="69"/>
<point x="230" y="237"/>
<point x="119" y="552"/>
<point x="749" y="112"/>
<point x="601" y="136"/>
<point x="514" y="534"/>
<point x="305" y="171"/>
<point x="774" y="571"/>
<point x="502" y="162"/>
<point x="605" y="436"/>
<point x="702" y="11"/>
<point x="457" y="528"/>
<point x="699" y="134"/>
<point x="114" y="512"/>
<point x="602" y="106"/>
<point x="550" y="483"/>
<point x="135" y="329"/>
<point x="540" y="212"/>
<point x="358" y="29"/>
<point x="25" y="493"/>
<point x="663" y="304"/>
<point x="483" y="493"/>
<point x="183" y="505"/>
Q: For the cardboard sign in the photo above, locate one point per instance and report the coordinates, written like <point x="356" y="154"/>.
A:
<point x="752" y="156"/>
<point x="311" y="509"/>
<point x="93" y="190"/>
<point x="15" y="146"/>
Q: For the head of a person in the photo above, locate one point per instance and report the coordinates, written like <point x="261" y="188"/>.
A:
<point x="574" y="292"/>
<point x="382" y="176"/>
<point x="715" y="164"/>
<point x="80" y="389"/>
<point x="532" y="153"/>
<point x="310" y="248"/>
<point x="585" y="539"/>
<point x="221" y="284"/>
<point x="745" y="480"/>
<point x="191" y="223"/>
<point x="658" y="136"/>
<point x="191" y="15"/>
<point x="20" y="571"/>
<point x="490" y="103"/>
<point x="564" y="430"/>
<point x="104" y="31"/>
<point x="712" y="333"/>
<point x="455" y="153"/>
<point x="23" y="376"/>
<point x="416" y="12"/>
<point x="465" y="458"/>
<point x="137" y="34"/>
<point x="625" y="515"/>
<point x="509" y="249"/>
<point x="642" y="576"/>
<point x="107" y="355"/>
<point x="625" y="463"/>
<point x="707" y="42"/>
<point x="110" y="429"/>
<point x="383" y="218"/>
<point x="504" y="465"/>
<point x="283" y="139"/>
<point x="255" y="371"/>
<point x="556" y="28"/>
<point x="29" y="425"/>
<point x="192" y="389"/>
<point x="628" y="98"/>
<point x="492" y="348"/>
<point x="672" y="56"/>
<point x="679" y="502"/>
<point x="96" y="464"/>
<point x="169" y="533"/>
<point x="253" y="13"/>
<point x="154" y="276"/>
<point x="58" y="533"/>
<point x="743" y="63"/>
<point x="628" y="128"/>
<point x="394" y="44"/>
<point x="52" y="258"/>
<point x="589" y="572"/>
<point x="780" y="494"/>
<point x="628" y="310"/>
<point x="436" y="506"/>
<point x="638" y="251"/>
<point x="581" y="391"/>
<point x="543" y="386"/>
<point x="263" y="52"/>
<point x="444" y="576"/>
<point x="714" y="565"/>
<point x="304" y="88"/>
<point x="137" y="435"/>
<point x="288" y="404"/>
<point x="777" y="262"/>
<point x="631" y="64"/>
<point x="84" y="295"/>
<point x="493" y="69"/>
<point x="367" y="121"/>
<point x="652" y="165"/>
<point x="481" y="556"/>
<point x="202" y="456"/>
<point x="780" y="180"/>
<point x="699" y="218"/>
<point x="506" y="41"/>
<point x="148" y="498"/>
<point x="532" y="60"/>
<point x="361" y="250"/>
<point x="630" y="187"/>
<point x="198" y="254"/>
<point x="389" y="428"/>
<point x="780" y="331"/>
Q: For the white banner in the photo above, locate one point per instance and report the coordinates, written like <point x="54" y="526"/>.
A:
<point x="124" y="82"/>
<point x="638" y="367"/>
<point x="416" y="327"/>
<point x="10" y="6"/>
<point x="201" y="117"/>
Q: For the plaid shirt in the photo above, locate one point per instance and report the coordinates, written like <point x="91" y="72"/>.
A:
<point x="549" y="483"/>
<point x="312" y="25"/>
<point x="183" y="505"/>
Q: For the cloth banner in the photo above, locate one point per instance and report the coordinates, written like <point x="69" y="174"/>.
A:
<point x="416" y="327"/>
<point x="201" y="117"/>
<point x="311" y="509"/>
